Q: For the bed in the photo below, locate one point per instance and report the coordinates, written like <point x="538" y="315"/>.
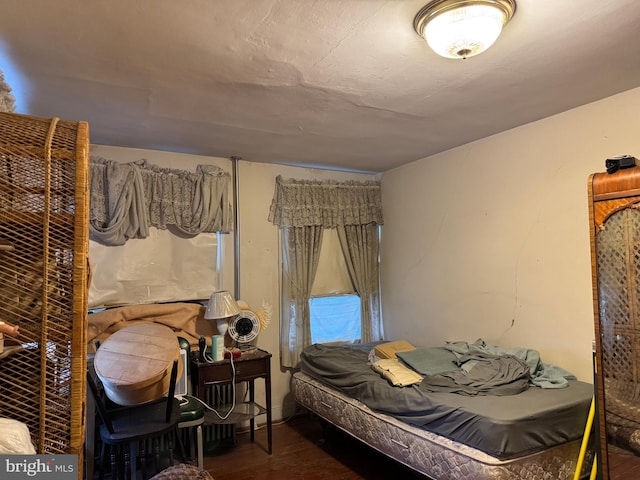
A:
<point x="535" y="434"/>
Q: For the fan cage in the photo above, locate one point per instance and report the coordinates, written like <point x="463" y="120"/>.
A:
<point x="43" y="277"/>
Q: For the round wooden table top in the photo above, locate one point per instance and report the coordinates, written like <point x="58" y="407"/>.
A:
<point x="134" y="364"/>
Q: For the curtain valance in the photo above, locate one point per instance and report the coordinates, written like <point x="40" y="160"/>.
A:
<point x="128" y="198"/>
<point x="327" y="203"/>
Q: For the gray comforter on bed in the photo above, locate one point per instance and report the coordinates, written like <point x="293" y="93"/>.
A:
<point x="481" y="369"/>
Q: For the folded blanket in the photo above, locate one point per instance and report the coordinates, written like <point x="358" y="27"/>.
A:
<point x="390" y="349"/>
<point x="430" y="361"/>
<point x="395" y="372"/>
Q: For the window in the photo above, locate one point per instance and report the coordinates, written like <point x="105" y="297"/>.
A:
<point x="305" y="210"/>
<point x="166" y="265"/>
<point x="334" y="307"/>
<point x="335" y="318"/>
<point x="163" y="267"/>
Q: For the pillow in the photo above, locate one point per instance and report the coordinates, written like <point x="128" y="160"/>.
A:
<point x="395" y="372"/>
<point x="430" y="361"/>
<point x="389" y="349"/>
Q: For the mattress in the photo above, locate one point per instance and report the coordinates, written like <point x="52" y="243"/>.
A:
<point x="426" y="452"/>
<point x="503" y="427"/>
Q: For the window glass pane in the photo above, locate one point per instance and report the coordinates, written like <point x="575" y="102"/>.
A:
<point x="335" y="318"/>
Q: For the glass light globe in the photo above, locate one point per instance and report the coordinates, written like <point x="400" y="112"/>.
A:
<point x="464" y="32"/>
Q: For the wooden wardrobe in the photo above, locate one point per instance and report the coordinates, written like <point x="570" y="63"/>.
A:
<point x="614" y="215"/>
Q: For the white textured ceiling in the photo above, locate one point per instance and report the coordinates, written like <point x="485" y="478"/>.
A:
<point x="332" y="83"/>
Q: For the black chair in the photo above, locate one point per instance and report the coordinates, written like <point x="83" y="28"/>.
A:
<point x="123" y="429"/>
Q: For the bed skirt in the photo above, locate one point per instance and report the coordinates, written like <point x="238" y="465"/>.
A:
<point x="425" y="452"/>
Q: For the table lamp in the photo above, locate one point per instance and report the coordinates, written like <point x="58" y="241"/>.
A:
<point x="221" y="308"/>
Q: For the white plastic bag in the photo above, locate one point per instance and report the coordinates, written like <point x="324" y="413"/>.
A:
<point x="14" y="438"/>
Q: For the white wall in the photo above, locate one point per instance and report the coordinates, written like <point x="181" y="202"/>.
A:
<point x="491" y="240"/>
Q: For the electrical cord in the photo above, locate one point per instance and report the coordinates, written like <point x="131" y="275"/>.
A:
<point x="209" y="359"/>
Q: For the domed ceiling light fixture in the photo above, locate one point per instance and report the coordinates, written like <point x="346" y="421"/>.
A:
<point x="463" y="28"/>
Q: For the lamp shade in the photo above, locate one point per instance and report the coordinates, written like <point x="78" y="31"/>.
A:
<point x="221" y="305"/>
<point x="463" y="28"/>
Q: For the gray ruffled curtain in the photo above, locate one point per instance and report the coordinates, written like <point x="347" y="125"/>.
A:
<point x="117" y="210"/>
<point x="361" y="246"/>
<point x="126" y="199"/>
<point x="193" y="202"/>
<point x="300" y="203"/>
<point x="302" y="209"/>
<point x="300" y="254"/>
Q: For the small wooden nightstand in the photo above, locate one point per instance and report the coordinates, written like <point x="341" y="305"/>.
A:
<point x="248" y="367"/>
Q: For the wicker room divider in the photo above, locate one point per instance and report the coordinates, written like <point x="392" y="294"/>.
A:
<point x="614" y="216"/>
<point x="44" y="218"/>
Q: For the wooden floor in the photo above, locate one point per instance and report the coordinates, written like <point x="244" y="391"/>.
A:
<point x="623" y="465"/>
<point x="301" y="451"/>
